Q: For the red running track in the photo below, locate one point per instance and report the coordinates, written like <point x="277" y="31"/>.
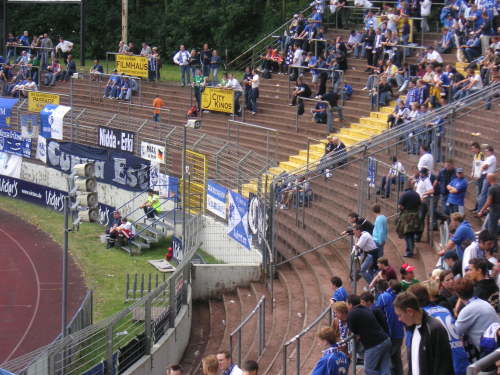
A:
<point x="30" y="287"/>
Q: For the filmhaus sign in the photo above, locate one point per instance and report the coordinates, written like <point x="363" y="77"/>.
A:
<point x="115" y="139"/>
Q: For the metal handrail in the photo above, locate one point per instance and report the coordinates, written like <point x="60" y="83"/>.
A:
<point x="266" y="38"/>
<point x="261" y="309"/>
<point x="484" y="363"/>
<point x="395" y="133"/>
<point x="311" y="250"/>
<point x="299" y="98"/>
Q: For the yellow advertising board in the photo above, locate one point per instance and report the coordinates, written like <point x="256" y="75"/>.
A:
<point x="37" y="100"/>
<point x="217" y="99"/>
<point x="136" y="66"/>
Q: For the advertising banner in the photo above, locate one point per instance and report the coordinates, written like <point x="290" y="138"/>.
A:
<point x="51" y="120"/>
<point x="136" y="66"/>
<point x="238" y="219"/>
<point x="13" y="143"/>
<point x="38" y="100"/>
<point x="217" y="99"/>
<point x="10" y="165"/>
<point x="216" y="199"/>
<point x="153" y="152"/>
<point x="6" y="106"/>
<point x="115" y="139"/>
<point x="29" y="125"/>
<point x="117" y="168"/>
<point x="41" y="149"/>
<point x="44" y="196"/>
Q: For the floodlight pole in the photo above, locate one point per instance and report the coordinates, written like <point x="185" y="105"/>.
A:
<point x="184" y="142"/>
<point x="124" y="21"/>
<point x="82" y="32"/>
<point x="64" y="281"/>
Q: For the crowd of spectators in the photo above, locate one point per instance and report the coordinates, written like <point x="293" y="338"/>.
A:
<point x="28" y="56"/>
<point x="220" y="363"/>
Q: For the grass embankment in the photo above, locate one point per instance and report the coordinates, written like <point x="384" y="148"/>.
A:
<point x="104" y="270"/>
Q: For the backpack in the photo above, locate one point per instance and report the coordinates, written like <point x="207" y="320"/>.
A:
<point x="300" y="107"/>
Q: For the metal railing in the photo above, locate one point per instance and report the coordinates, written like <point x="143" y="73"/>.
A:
<point x="259" y="309"/>
<point x="485" y="363"/>
<point x="252" y="56"/>
<point x="395" y="134"/>
<point x="329" y="115"/>
<point x="121" y="339"/>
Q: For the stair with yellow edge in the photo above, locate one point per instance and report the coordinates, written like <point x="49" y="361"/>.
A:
<point x="366" y="128"/>
<point x="460" y="67"/>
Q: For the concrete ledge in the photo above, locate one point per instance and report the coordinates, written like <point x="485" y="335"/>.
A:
<point x="210" y="280"/>
<point x="170" y="349"/>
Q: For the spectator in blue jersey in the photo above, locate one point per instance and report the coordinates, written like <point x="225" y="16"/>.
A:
<point x="364" y="324"/>
<point x="339" y="294"/>
<point x="24" y="40"/>
<point x="319" y="113"/>
<point x="154" y="65"/>
<point x="427" y="341"/>
<point x="96" y="70"/>
<point x="424" y="294"/>
<point x="70" y="68"/>
<point x="379" y="229"/>
<point x="333" y="361"/>
<point x="113" y="85"/>
<point x="457" y="189"/>
<point x="445" y="44"/>
<point x="463" y="236"/>
<point x="125" y="89"/>
<point x="387" y="292"/>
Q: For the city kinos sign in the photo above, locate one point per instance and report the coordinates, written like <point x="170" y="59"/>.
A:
<point x="115" y="139"/>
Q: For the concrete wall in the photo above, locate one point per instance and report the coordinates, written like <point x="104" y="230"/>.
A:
<point x="210" y="280"/>
<point x="170" y="349"/>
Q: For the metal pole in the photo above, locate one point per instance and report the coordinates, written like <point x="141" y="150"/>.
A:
<point x="184" y="187"/>
<point x="4" y="27"/>
<point x="284" y="359"/>
<point x="239" y="346"/>
<point x="297" y="363"/>
<point x="64" y="310"/>
<point x="82" y="32"/>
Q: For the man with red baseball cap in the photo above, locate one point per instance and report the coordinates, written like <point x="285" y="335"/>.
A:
<point x="407" y="276"/>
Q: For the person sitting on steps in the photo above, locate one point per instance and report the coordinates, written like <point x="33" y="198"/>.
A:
<point x="152" y="206"/>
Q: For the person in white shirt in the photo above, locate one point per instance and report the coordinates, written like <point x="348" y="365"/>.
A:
<point x="226" y="364"/>
<point x="232" y="83"/>
<point x="367" y="246"/>
<point x="29" y="86"/>
<point x="423" y="184"/>
<point x="488" y="167"/>
<point x="478" y="249"/>
<point x="297" y="60"/>
<point x="396" y="173"/>
<point x="145" y="50"/>
<point x="433" y="56"/>
<point x="254" y="92"/>
<point x="127" y="229"/>
<point x="426" y="159"/>
<point x="425" y="12"/>
<point x="182" y="58"/>
<point x="65" y="47"/>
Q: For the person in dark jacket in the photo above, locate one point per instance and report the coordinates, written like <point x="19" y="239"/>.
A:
<point x="408" y="223"/>
<point x="364" y="324"/>
<point x="428" y="346"/>
<point x="484" y="287"/>
<point x="387" y="292"/>
<point x="354" y="219"/>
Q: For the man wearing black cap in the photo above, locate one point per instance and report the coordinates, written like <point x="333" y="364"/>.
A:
<point x="457" y="189"/>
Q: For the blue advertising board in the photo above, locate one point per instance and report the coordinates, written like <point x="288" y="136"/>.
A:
<point x="13" y="143"/>
<point x="216" y="199"/>
<point x="44" y="196"/>
<point x="6" y="111"/>
<point x="238" y="219"/>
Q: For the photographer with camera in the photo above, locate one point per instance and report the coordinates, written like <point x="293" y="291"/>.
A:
<point x="366" y="248"/>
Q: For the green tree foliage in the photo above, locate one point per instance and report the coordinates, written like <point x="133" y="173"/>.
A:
<point x="224" y="24"/>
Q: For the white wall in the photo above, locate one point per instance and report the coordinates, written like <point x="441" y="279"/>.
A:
<point x="210" y="280"/>
<point x="170" y="349"/>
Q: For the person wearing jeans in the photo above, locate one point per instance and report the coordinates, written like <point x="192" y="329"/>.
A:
<point x="493" y="204"/>
<point x="363" y="323"/>
<point x="408" y="223"/>
<point x="368" y="247"/>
